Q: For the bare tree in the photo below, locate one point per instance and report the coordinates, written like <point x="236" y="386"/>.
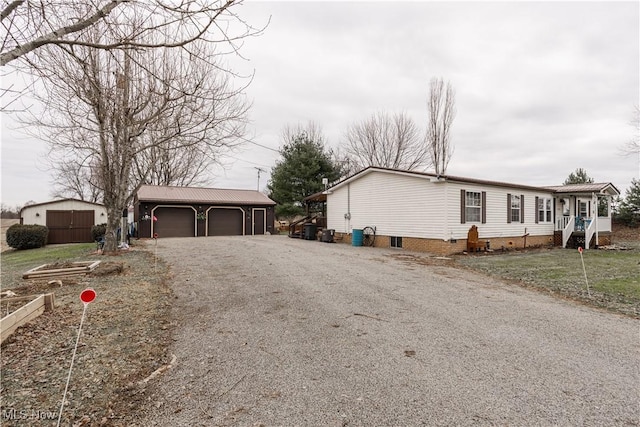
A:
<point x="122" y="111"/>
<point x="632" y="147"/>
<point x="312" y="131"/>
<point x="30" y="25"/>
<point x="441" y="107"/>
<point x="345" y="163"/>
<point x="383" y="140"/>
<point x="169" y="164"/>
<point x="76" y="180"/>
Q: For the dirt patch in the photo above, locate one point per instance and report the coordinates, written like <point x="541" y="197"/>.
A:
<point x="108" y="268"/>
<point x="58" y="265"/>
<point x="410" y="259"/>
<point x="124" y="338"/>
<point x="622" y="234"/>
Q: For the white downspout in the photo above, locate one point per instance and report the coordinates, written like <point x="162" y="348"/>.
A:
<point x="594" y="199"/>
<point x="447" y="232"/>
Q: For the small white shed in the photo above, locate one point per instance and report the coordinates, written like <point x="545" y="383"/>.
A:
<point x="68" y="220"/>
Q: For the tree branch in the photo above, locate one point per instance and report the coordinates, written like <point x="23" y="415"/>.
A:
<point x="55" y="37"/>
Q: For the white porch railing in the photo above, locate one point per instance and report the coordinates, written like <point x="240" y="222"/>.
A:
<point x="589" y="231"/>
<point x="567" y="230"/>
<point x="562" y="222"/>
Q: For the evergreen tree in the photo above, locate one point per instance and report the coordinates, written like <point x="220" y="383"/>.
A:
<point x="300" y="172"/>
<point x="580" y="176"/>
<point x="630" y="208"/>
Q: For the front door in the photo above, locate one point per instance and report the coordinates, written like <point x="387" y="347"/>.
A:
<point x="583" y="208"/>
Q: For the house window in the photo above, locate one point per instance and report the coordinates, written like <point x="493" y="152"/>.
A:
<point x="544" y="209"/>
<point x="396" y="242"/>
<point x="473" y="206"/>
<point x="603" y="207"/>
<point x="515" y="208"/>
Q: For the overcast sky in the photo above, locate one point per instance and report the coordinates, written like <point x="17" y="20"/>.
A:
<point x="541" y="88"/>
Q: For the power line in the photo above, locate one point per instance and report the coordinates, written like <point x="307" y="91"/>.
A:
<point x="247" y="161"/>
<point x="259" y="145"/>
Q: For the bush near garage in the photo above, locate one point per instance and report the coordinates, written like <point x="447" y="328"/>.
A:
<point x="20" y="236"/>
<point x="97" y="231"/>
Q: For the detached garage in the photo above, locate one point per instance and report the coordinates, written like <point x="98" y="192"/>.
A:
<point x="190" y="211"/>
<point x="68" y="220"/>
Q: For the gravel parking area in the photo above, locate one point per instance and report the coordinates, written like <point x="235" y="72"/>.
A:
<point x="272" y="331"/>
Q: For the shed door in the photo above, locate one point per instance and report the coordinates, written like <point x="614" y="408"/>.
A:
<point x="174" y="222"/>
<point x="225" y="222"/>
<point x="259" y="220"/>
<point x="70" y="226"/>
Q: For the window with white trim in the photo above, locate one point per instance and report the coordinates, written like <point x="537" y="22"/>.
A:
<point x="473" y="206"/>
<point x="515" y="208"/>
<point x="544" y="209"/>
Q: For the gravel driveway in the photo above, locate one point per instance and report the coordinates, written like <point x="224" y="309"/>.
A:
<point x="276" y="331"/>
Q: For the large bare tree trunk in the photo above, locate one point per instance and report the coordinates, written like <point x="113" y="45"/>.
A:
<point x="441" y="112"/>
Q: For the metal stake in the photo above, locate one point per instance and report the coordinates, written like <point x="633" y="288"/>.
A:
<point x="585" y="271"/>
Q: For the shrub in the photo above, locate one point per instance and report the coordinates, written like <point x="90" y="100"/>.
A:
<point x="21" y="236"/>
<point x="97" y="231"/>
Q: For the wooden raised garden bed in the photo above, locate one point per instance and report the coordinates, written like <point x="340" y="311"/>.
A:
<point x="67" y="269"/>
<point x="37" y="305"/>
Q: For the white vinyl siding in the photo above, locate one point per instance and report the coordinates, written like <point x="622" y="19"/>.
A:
<point x="337" y="208"/>
<point x="496" y="224"/>
<point x="406" y="205"/>
<point x="396" y="204"/>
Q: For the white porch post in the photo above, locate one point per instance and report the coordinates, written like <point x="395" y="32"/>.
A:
<point x="594" y="203"/>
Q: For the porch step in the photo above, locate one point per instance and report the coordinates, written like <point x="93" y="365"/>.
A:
<point x="578" y="240"/>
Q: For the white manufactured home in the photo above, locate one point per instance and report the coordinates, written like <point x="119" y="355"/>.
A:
<point x="423" y="211"/>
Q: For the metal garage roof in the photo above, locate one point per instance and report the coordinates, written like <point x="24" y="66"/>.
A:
<point x="202" y="195"/>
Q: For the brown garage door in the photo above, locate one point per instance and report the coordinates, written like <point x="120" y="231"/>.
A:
<point x="70" y="226"/>
<point x="225" y="222"/>
<point x="174" y="222"/>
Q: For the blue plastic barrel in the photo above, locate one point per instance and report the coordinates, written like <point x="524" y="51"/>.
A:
<point x="356" y="238"/>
